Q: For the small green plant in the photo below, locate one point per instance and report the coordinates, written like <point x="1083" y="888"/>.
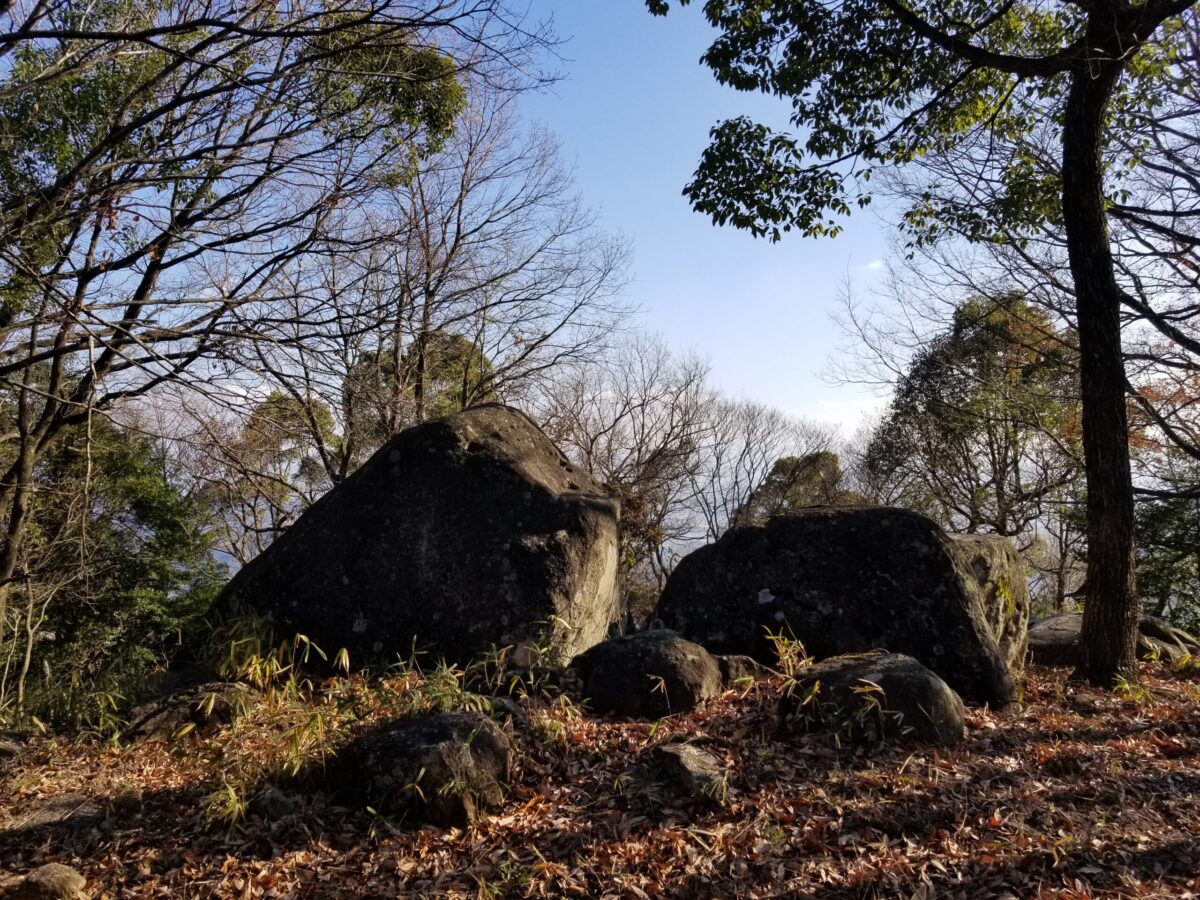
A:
<point x="866" y="718"/>
<point x="654" y="727"/>
<point x="108" y="723"/>
<point x="444" y="690"/>
<point x="659" y="686"/>
<point x="790" y="652"/>
<point x="1188" y="664"/>
<point x="621" y="783"/>
<point x="414" y="786"/>
<point x="514" y="878"/>
<point x="550" y="724"/>
<point x="485" y="890"/>
<point x="488" y="671"/>
<point x="91" y="706"/>
<point x="1132" y="691"/>
<point x="717" y="789"/>
<point x="774" y="834"/>
<point x="302" y="739"/>
<point x="541" y="653"/>
<point x="797" y="697"/>
<point x="515" y="875"/>
<point x="227" y="804"/>
<point x="380" y="824"/>
<point x="250" y="655"/>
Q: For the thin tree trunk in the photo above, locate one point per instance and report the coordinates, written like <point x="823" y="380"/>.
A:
<point x="1107" y="644"/>
<point x="28" y="658"/>
<point x="420" y="385"/>
<point x="20" y="487"/>
<point x="1060" y="590"/>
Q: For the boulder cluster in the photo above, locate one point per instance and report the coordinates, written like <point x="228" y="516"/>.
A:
<point x="474" y="532"/>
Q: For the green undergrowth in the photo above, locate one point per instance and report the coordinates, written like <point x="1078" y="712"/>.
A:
<point x="303" y="718"/>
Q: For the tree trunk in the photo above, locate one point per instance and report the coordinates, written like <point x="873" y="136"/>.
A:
<point x="419" y="383"/>
<point x="1060" y="589"/>
<point x="18" y="489"/>
<point x="1107" y="643"/>
<point x="420" y="386"/>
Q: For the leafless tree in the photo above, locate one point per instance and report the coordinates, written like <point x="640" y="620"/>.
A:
<point x="470" y="281"/>
<point x="681" y="458"/>
<point x="638" y="421"/>
<point x="164" y="164"/>
<point x="742" y="444"/>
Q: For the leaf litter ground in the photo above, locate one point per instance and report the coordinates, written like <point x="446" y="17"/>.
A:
<point x="1074" y="793"/>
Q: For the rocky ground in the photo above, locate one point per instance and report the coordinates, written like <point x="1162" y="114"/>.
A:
<point x="1072" y="793"/>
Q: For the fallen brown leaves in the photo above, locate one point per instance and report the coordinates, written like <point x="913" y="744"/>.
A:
<point x="1074" y="794"/>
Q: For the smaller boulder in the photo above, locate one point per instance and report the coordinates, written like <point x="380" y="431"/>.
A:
<point x="128" y="802"/>
<point x="216" y="703"/>
<point x="740" y="670"/>
<point x="1054" y="641"/>
<point x="699" y="773"/>
<point x="648" y="675"/>
<point x="273" y="804"/>
<point x="53" y="881"/>
<point x="874" y="696"/>
<point x="1159" y="639"/>
<point x="443" y="768"/>
<point x="74" y="811"/>
<point x="10" y="748"/>
<point x="508" y="711"/>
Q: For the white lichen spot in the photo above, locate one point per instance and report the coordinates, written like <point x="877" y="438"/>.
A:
<point x="780" y="617"/>
<point x="765" y="596"/>
<point x="360" y="624"/>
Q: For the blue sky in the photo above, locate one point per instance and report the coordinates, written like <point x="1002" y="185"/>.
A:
<point x="633" y="112"/>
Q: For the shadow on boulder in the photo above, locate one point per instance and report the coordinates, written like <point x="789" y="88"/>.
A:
<point x="201" y="706"/>
<point x="459" y="534"/>
<point x="851" y="580"/>
<point x="647" y="675"/>
<point x="873" y="696"/>
<point x="1054" y="641"/>
<point x="441" y="768"/>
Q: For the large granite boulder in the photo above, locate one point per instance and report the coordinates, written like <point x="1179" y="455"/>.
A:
<point x="873" y="696"/>
<point x="857" y="579"/>
<point x="461" y="533"/>
<point x="648" y="675"/>
<point x="1054" y="641"/>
